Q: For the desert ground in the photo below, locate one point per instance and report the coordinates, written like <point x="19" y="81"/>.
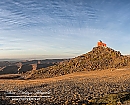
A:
<point x="72" y="89"/>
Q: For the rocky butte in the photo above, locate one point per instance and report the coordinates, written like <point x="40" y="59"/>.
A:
<point x="100" y="58"/>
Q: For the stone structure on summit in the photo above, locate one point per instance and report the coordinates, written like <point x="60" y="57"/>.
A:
<point x="100" y="43"/>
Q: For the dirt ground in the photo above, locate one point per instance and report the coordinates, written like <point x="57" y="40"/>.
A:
<point x="112" y="75"/>
<point x="74" y="87"/>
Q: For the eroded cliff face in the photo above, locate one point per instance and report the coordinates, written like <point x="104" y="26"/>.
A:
<point x="9" y="70"/>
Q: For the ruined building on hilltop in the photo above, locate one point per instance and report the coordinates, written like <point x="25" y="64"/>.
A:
<point x="100" y="43"/>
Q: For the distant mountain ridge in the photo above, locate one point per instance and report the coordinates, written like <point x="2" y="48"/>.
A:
<point x="14" y="67"/>
<point x="99" y="58"/>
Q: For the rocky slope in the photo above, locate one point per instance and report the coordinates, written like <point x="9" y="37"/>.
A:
<point x="99" y="58"/>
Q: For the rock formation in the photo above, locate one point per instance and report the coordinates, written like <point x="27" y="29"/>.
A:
<point x="99" y="58"/>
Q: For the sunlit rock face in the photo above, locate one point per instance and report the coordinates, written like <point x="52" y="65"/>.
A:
<point x="99" y="58"/>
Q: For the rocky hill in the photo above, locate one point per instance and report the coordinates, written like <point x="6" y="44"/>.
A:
<point x="99" y="58"/>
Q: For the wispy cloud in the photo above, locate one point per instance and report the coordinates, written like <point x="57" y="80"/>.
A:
<point x="31" y="27"/>
<point x="11" y="49"/>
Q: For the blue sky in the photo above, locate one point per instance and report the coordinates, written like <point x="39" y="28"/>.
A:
<point x="40" y="29"/>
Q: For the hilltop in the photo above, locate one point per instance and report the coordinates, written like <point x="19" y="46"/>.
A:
<point x="100" y="58"/>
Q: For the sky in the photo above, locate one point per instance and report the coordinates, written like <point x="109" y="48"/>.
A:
<point x="42" y="29"/>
